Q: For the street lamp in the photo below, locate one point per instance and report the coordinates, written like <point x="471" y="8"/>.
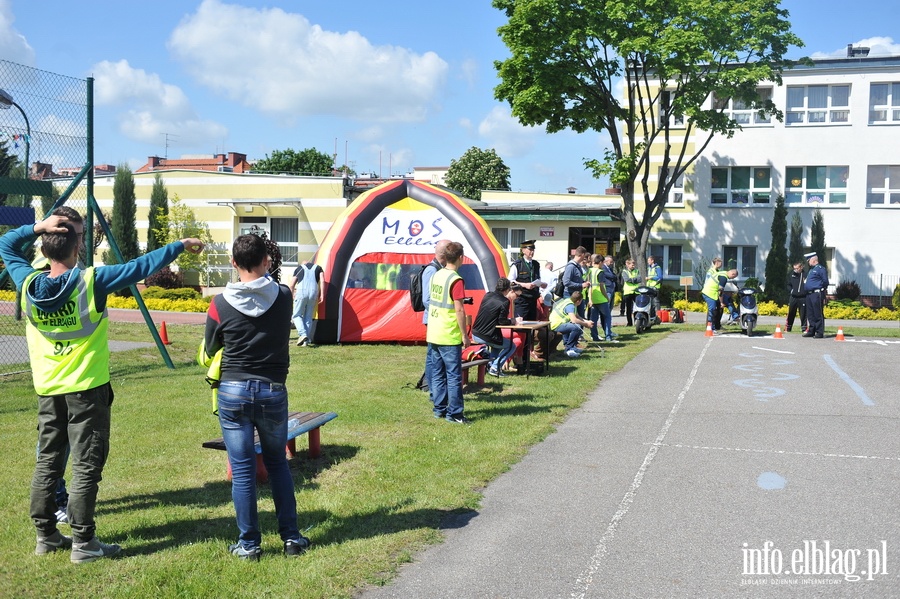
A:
<point x="5" y="102"/>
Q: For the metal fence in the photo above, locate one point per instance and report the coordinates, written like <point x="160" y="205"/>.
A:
<point x="44" y="128"/>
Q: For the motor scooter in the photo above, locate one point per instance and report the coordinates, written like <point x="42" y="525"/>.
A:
<point x="644" y="312"/>
<point x="749" y="311"/>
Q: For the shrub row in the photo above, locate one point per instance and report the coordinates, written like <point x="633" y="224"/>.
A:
<point x="842" y="310"/>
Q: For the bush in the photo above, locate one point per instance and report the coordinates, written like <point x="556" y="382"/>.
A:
<point x="666" y="293"/>
<point x="165" y="278"/>
<point x="847" y="290"/>
<point x="895" y="299"/>
<point x="182" y="293"/>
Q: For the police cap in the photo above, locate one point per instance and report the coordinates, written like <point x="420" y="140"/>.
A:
<point x="528" y="244"/>
<point x="810" y="255"/>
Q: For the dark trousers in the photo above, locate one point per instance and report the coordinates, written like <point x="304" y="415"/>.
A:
<point x="797" y="304"/>
<point x="815" y="305"/>
<point x="80" y="420"/>
<point x="628" y="303"/>
<point x="526" y="307"/>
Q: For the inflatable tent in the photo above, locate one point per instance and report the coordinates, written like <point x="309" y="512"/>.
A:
<point x="382" y="237"/>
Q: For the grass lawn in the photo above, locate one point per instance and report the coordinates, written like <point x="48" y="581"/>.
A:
<point x="388" y="476"/>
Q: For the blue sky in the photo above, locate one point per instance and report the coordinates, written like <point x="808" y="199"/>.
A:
<point x="388" y="86"/>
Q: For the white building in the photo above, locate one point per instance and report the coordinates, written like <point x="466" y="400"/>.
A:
<point x="838" y="149"/>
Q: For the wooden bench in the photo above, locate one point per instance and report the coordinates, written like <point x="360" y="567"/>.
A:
<point x="481" y="365"/>
<point x="299" y="423"/>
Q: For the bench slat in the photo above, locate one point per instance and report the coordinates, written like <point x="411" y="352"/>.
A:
<point x="307" y="421"/>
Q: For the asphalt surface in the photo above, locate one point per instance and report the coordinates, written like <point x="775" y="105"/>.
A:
<point x="708" y="467"/>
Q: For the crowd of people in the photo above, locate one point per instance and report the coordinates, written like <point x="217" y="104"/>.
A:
<point x="247" y="337"/>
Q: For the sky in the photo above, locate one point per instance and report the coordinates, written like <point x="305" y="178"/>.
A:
<point x="387" y="87"/>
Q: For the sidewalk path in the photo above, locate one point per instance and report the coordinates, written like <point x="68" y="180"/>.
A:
<point x="675" y="488"/>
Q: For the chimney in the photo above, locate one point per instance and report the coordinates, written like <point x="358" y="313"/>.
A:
<point x="153" y="162"/>
<point x="571" y="189"/>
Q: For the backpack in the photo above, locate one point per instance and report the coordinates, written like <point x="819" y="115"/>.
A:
<point x="415" y="288"/>
<point x="560" y="288"/>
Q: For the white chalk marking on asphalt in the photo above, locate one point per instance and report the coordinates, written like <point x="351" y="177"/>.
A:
<point x="586" y="579"/>
<point x="811" y="454"/>
<point x="777" y="351"/>
<point x="850" y="382"/>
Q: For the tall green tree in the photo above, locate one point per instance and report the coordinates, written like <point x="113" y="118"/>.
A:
<point x="8" y="162"/>
<point x="181" y="222"/>
<point x="570" y="57"/>
<point x="817" y="237"/>
<point x="475" y="171"/>
<point x="159" y="206"/>
<point x="777" y="260"/>
<point x="123" y="224"/>
<point x="305" y="162"/>
<point x="795" y="246"/>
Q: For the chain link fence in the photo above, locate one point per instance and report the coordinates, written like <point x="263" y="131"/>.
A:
<point x="44" y="136"/>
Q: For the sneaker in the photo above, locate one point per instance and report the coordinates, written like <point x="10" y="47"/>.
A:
<point x="496" y="373"/>
<point x="439" y="415"/>
<point x="458" y="420"/>
<point x="240" y="551"/>
<point x="296" y="548"/>
<point x="611" y="340"/>
<point x="50" y="544"/>
<point x="83" y="553"/>
<point x="612" y="335"/>
<point x="572" y="353"/>
<point x="302" y="341"/>
<point x="61" y="516"/>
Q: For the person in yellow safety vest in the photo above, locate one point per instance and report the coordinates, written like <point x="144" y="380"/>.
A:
<point x="712" y="295"/>
<point x="68" y="346"/>
<point x="564" y="319"/>
<point x="631" y="280"/>
<point x="654" y="281"/>
<point x="600" y="303"/>
<point x="386" y="276"/>
<point x="447" y="336"/>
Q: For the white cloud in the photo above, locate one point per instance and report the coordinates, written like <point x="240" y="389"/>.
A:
<point x="149" y="107"/>
<point x="288" y="67"/>
<point x="469" y="71"/>
<point x="13" y="45"/>
<point x="878" y="46"/>
<point x="505" y="134"/>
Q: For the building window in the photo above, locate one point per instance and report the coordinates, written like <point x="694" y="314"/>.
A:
<point x="741" y="185"/>
<point x="818" y="104"/>
<point x="884" y="103"/>
<point x="883" y="185"/>
<point x="668" y="257"/>
<point x="741" y="112"/>
<point x="816" y="184"/>
<point x="285" y="234"/>
<point x="667" y="112"/>
<point x="509" y="239"/>
<point x="742" y="258"/>
<point x="676" y="193"/>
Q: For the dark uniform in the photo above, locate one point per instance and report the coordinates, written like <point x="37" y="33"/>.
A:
<point x="796" y="285"/>
<point x="527" y="271"/>
<point x="816" y="286"/>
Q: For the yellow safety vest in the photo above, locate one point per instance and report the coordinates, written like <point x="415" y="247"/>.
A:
<point x="69" y="348"/>
<point x="386" y="276"/>
<point x="711" y="285"/>
<point x="630" y="288"/>
<point x="443" y="328"/>
<point x="598" y="287"/>
<point x="558" y="314"/>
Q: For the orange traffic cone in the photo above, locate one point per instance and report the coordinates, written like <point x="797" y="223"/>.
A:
<point x="840" y="335"/>
<point x="163" y="334"/>
<point x="709" y="332"/>
<point x="778" y="334"/>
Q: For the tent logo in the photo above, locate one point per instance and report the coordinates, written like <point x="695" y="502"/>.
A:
<point x="416" y="228"/>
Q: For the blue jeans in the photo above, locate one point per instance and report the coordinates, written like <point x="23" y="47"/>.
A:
<point x="712" y="308"/>
<point x="571" y="333"/>
<point x="304" y="309"/>
<point x="603" y="313"/>
<point x="499" y="354"/>
<point x="446" y="379"/>
<point x="243" y="406"/>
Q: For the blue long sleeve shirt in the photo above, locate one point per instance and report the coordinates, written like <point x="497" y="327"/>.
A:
<point x="51" y="293"/>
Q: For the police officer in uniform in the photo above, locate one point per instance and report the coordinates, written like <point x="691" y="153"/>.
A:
<point x="527" y="273"/>
<point x="816" y="287"/>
